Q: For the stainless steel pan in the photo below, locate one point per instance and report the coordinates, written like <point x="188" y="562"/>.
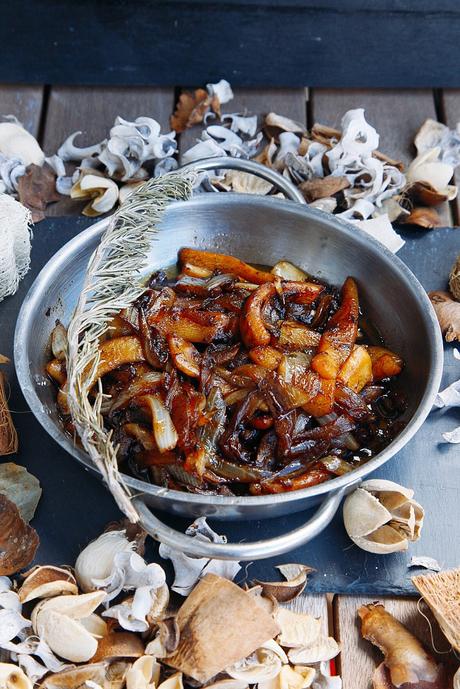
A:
<point x="262" y="230"/>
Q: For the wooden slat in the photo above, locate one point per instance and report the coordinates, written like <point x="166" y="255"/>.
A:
<point x="396" y="115"/>
<point x="289" y="102"/>
<point x="24" y="102"/>
<point x="93" y="111"/>
<point x="450" y="101"/>
<point x="358" y="657"/>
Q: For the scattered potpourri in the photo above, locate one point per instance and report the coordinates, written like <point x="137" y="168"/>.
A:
<point x="110" y="622"/>
<point x="339" y="171"/>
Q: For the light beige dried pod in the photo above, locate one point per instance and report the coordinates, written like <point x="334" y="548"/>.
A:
<point x="65" y="636"/>
<point x="95" y="625"/>
<point x="291" y="678"/>
<point x="105" y="675"/>
<point x="102" y="191"/>
<point x="74" y="607"/>
<point x="46" y="581"/>
<point x="144" y="673"/>
<point x="381" y="516"/>
<point x="173" y="682"/>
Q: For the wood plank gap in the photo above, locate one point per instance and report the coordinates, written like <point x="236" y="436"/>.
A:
<point x="309" y="109"/>
<point x="43" y="114"/>
<point x="442" y="116"/>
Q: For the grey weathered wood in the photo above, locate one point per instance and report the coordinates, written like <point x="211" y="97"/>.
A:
<point x="397" y="116"/>
<point x="359" y="657"/>
<point x="450" y="101"/>
<point x="24" y="102"/>
<point x="289" y="102"/>
<point x="93" y="111"/>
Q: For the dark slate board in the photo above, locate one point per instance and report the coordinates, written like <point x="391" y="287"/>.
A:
<point x="277" y="43"/>
<point x="75" y="506"/>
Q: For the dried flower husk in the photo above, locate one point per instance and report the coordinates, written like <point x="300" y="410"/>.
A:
<point x="260" y="666"/>
<point x="440" y="592"/>
<point x="284" y="591"/>
<point x="448" y="313"/>
<point x="8" y="434"/>
<point x="454" y="279"/>
<point x="381" y="517"/>
<point x="47" y="581"/>
<point x="66" y="636"/>
<point x="118" y="644"/>
<point x="21" y="488"/>
<point x="210" y="623"/>
<point x="12" y="677"/>
<point x="102" y="191"/>
<point x="18" y="540"/>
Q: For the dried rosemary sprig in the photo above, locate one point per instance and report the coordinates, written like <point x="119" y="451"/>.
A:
<point x="113" y="281"/>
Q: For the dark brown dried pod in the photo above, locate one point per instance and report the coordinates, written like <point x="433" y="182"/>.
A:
<point x="423" y="217"/>
<point x="323" y="187"/>
<point x="284" y="591"/>
<point x="18" y="540"/>
<point x="425" y="194"/>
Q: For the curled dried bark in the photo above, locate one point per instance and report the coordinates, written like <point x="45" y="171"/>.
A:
<point x="18" y="540"/>
<point x="320" y="188"/>
<point x="423" y="217"/>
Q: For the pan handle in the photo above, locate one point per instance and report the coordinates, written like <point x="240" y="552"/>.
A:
<point x="257" y="550"/>
<point x="251" y="167"/>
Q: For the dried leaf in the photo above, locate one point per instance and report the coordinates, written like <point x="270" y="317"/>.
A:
<point x="191" y="109"/>
<point x="18" y="540"/>
<point x="37" y="188"/>
<point x="219" y="624"/>
<point x="21" y="488"/>
<point x="320" y="188"/>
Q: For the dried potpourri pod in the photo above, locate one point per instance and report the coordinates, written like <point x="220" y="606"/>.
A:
<point x="47" y="581"/>
<point x="18" y="540"/>
<point x="285" y="591"/>
<point x="381" y="517"/>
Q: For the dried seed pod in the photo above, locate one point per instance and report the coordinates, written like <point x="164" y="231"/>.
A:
<point x="73" y="607"/>
<point x="118" y="645"/>
<point x="65" y="636"/>
<point x="105" y="675"/>
<point x="262" y="665"/>
<point x="284" y="591"/>
<point x="325" y="648"/>
<point x="381" y="517"/>
<point x="18" y="540"/>
<point x="46" y="582"/>
<point x="297" y="629"/>
<point x="143" y="674"/>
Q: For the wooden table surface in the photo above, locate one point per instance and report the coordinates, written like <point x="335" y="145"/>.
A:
<point x="52" y="113"/>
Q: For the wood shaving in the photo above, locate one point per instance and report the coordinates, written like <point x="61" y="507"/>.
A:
<point x="440" y="592"/>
